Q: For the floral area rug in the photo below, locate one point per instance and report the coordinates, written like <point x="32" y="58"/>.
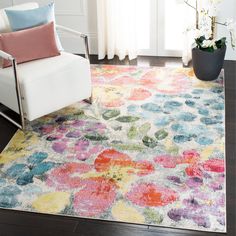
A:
<point x="150" y="150"/>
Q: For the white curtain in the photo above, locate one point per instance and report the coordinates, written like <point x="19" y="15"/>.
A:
<point x="188" y="42"/>
<point x="117" y="28"/>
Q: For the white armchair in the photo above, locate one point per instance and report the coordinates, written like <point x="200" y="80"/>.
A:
<point x="34" y="89"/>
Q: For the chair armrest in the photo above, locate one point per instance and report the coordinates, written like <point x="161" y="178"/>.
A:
<point x="6" y="56"/>
<point x="19" y="97"/>
<point x="76" y="33"/>
<point x="68" y="30"/>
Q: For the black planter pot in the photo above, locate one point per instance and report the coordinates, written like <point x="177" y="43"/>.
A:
<point x="207" y="65"/>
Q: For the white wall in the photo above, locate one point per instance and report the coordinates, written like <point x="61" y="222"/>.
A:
<point x="5" y="3"/>
<point x="227" y="10"/>
<point x="81" y="15"/>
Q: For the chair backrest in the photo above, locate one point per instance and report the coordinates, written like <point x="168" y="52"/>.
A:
<point x="4" y="23"/>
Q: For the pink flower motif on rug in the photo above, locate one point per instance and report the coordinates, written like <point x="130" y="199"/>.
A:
<point x="82" y="150"/>
<point x="151" y="195"/>
<point x="194" y="171"/>
<point x="114" y="103"/>
<point x="214" y="165"/>
<point x="174" y="85"/>
<point x="67" y="176"/>
<point x="123" y="81"/>
<point x="95" y="197"/>
<point x="167" y="161"/>
<point x="139" y="94"/>
<point x="190" y="156"/>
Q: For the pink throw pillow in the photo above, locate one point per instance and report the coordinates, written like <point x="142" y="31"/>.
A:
<point x="29" y="44"/>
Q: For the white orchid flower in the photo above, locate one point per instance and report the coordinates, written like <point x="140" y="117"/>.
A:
<point x="208" y="43"/>
<point x="206" y="32"/>
<point x="197" y="33"/>
<point x="208" y="12"/>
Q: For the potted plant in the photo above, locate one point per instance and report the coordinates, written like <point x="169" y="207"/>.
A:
<point x="208" y="52"/>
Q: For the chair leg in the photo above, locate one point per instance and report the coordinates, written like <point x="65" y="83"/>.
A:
<point x="21" y="125"/>
<point x="89" y="100"/>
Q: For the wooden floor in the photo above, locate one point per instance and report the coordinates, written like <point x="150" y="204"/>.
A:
<point x="13" y="223"/>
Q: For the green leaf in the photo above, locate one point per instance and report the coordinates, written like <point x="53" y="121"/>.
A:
<point x="199" y="41"/>
<point x="221" y="43"/>
<point x="161" y="134"/>
<point x="109" y="114"/>
<point x="208" y="49"/>
<point x="173" y="150"/>
<point x="143" y="129"/>
<point x="96" y="137"/>
<point x="79" y="113"/>
<point x="128" y="147"/>
<point x="127" y="119"/>
<point x="152" y="216"/>
<point x="149" y="142"/>
<point x="132" y="133"/>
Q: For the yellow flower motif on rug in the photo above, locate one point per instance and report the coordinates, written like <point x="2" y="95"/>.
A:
<point x="17" y="148"/>
<point x="52" y="202"/>
<point x="123" y="212"/>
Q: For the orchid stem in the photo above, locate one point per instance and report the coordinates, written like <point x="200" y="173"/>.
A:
<point x="219" y="23"/>
<point x="186" y="1"/>
<point x="196" y="9"/>
<point x="197" y="16"/>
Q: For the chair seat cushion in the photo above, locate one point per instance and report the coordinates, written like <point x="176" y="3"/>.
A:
<point x="47" y="84"/>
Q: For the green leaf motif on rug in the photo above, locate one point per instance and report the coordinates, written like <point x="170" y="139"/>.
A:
<point x="137" y="73"/>
<point x="127" y="119"/>
<point x="109" y="114"/>
<point x="152" y="217"/>
<point x="161" y="134"/>
<point x="79" y="113"/>
<point x="96" y="137"/>
<point x="128" y="147"/>
<point x="143" y="129"/>
<point x="174" y="150"/>
<point x="133" y="132"/>
<point x="149" y="142"/>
